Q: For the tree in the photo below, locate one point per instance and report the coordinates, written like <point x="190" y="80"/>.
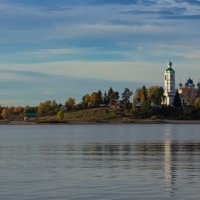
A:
<point x="41" y="108"/>
<point x="144" y="93"/>
<point x="105" y="98"/>
<point x="110" y="92"/>
<point x="94" y="99"/>
<point x="99" y="98"/>
<point x="141" y="95"/>
<point x="114" y="97"/>
<point x="60" y="115"/>
<point x="54" y="104"/>
<point x="5" y="113"/>
<point x="126" y="95"/>
<point x="197" y="102"/>
<point x="177" y="100"/>
<point x="198" y="89"/>
<point x="45" y="107"/>
<point x="86" y="100"/>
<point x="70" y="103"/>
<point x="155" y="94"/>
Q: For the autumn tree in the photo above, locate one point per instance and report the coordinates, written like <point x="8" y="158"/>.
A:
<point x="85" y="100"/>
<point x="93" y="99"/>
<point x="198" y="89"/>
<point x="60" y="115"/>
<point x="141" y="96"/>
<point x="70" y="103"/>
<point x="45" y="107"/>
<point x="197" y="102"/>
<point x="155" y="95"/>
<point x="5" y="113"/>
<point x="113" y="98"/>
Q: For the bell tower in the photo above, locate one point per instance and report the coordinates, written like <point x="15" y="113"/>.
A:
<point x="169" y="85"/>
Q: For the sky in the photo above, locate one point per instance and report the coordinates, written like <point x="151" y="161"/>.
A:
<point x="55" y="49"/>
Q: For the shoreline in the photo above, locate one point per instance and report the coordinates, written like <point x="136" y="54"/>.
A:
<point x="136" y="121"/>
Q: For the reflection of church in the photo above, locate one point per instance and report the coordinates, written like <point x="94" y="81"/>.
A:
<point x="187" y="93"/>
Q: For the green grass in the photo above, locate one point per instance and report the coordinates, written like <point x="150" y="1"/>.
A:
<point x="96" y="115"/>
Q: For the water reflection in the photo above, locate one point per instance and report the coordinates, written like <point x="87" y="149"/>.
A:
<point x="170" y="166"/>
<point x="164" y="158"/>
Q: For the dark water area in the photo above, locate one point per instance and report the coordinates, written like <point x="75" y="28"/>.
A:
<point x="99" y="162"/>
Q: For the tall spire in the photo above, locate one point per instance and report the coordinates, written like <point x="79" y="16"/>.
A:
<point x="170" y="64"/>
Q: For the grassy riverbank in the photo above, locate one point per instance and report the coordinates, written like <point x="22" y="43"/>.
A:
<point x="97" y="116"/>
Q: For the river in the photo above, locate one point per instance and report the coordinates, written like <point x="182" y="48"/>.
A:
<point x="99" y="162"/>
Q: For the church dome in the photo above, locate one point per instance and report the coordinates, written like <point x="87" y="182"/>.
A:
<point x="169" y="68"/>
<point x="189" y="83"/>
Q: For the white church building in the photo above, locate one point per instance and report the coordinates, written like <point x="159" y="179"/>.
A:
<point x="169" y="85"/>
<point x="187" y="93"/>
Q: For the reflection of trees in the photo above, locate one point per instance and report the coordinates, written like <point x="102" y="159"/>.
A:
<point x="145" y="151"/>
<point x="142" y="155"/>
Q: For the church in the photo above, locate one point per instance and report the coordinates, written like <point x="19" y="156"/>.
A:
<point x="187" y="92"/>
<point x="169" y="85"/>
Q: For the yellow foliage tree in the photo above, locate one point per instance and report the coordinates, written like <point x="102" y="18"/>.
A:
<point x="94" y="98"/>
<point x="5" y="113"/>
<point x="197" y="102"/>
<point x="60" y="115"/>
<point x="70" y="103"/>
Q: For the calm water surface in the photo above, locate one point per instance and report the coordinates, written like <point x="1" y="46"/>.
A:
<point x="99" y="162"/>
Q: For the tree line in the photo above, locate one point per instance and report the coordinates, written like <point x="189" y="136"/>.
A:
<point x="145" y="102"/>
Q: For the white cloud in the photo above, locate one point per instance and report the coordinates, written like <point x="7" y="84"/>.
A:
<point x="50" y="52"/>
<point x="111" y="70"/>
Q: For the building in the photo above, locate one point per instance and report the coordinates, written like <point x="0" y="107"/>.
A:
<point x="188" y="92"/>
<point x="169" y="85"/>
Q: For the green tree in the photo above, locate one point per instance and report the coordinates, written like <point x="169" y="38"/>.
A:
<point x="126" y="95"/>
<point x="105" y="98"/>
<point x="99" y="98"/>
<point x="177" y="100"/>
<point x="110" y="92"/>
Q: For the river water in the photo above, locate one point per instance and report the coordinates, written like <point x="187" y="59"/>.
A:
<point x="99" y="162"/>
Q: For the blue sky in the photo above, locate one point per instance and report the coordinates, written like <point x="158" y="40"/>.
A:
<point x="53" y="49"/>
